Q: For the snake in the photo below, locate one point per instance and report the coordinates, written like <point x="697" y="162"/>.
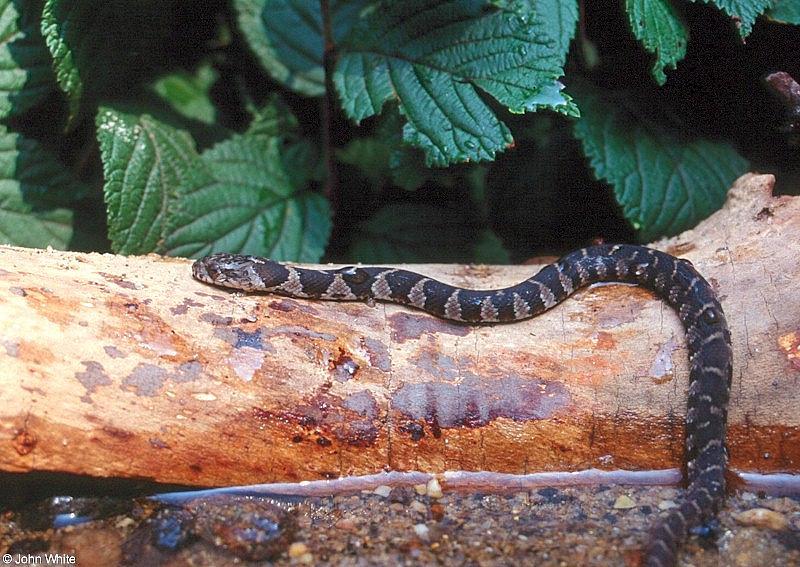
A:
<point x="674" y="280"/>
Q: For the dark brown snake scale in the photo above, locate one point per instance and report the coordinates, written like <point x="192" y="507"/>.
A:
<point x="674" y="280"/>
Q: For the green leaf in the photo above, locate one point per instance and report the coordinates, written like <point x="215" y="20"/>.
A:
<point x="26" y="76"/>
<point x="188" y="93"/>
<point x="236" y="197"/>
<point x="413" y="232"/>
<point x="286" y="36"/>
<point x="148" y="167"/>
<point x="432" y="56"/>
<point x="95" y="45"/>
<point x="661" y="30"/>
<point x="29" y="176"/>
<point x="786" y="12"/>
<point x="250" y="207"/>
<point x="743" y="12"/>
<point x="664" y="183"/>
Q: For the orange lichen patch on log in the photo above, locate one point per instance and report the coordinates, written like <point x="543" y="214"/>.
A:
<point x="117" y="366"/>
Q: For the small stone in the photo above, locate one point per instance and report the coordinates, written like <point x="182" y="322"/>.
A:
<point x="383" y="491"/>
<point x="422" y="531"/>
<point x="667" y="505"/>
<point x="418" y="506"/>
<point x="400" y="495"/>
<point x="783" y="505"/>
<point x="762" y="518"/>
<point x="297" y="549"/>
<point x="346" y="524"/>
<point x="434" y="489"/>
<point x="624" y="502"/>
<point x="421" y="489"/>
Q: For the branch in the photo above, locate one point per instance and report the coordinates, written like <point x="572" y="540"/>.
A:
<point x="144" y="372"/>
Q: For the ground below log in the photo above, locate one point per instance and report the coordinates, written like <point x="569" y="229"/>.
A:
<point x="602" y="525"/>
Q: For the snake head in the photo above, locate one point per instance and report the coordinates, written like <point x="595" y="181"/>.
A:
<point x="239" y="271"/>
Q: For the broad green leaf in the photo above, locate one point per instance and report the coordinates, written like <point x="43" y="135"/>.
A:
<point x="235" y="197"/>
<point x="187" y="93"/>
<point x="26" y="76"/>
<point x="286" y="36"/>
<point x="743" y="12"/>
<point x="148" y="167"/>
<point x="28" y="174"/>
<point x="661" y="30"/>
<point x="97" y="44"/>
<point x="412" y="232"/>
<point x="64" y="58"/>
<point x="786" y="12"/>
<point x="250" y="207"/>
<point x="433" y="56"/>
<point x="664" y="182"/>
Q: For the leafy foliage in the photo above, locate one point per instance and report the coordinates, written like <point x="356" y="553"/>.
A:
<point x="27" y="77"/>
<point x="443" y="130"/>
<point x="431" y="56"/>
<point x="286" y="35"/>
<point x="661" y="30"/>
<point x="664" y="184"/>
<point x="237" y="196"/>
<point x="786" y="11"/>
<point x="97" y="45"/>
<point x="744" y="12"/>
<point x="33" y="184"/>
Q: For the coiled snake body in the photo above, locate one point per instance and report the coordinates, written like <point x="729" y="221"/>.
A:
<point x="674" y="280"/>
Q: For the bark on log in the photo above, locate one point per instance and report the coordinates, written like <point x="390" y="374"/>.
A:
<point x="127" y="367"/>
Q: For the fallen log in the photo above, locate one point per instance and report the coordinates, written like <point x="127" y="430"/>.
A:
<point x="127" y="367"/>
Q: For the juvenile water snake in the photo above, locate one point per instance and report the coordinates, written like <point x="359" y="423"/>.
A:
<point x="674" y="280"/>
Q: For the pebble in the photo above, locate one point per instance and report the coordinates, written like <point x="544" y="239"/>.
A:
<point x="346" y="524"/>
<point x="783" y="505"/>
<point x="762" y="518"/>
<point x="624" y="502"/>
<point x="667" y="505"/>
<point x="421" y="489"/>
<point x="422" y="531"/>
<point x="434" y="489"/>
<point x="418" y="506"/>
<point x="297" y="549"/>
<point x="383" y="490"/>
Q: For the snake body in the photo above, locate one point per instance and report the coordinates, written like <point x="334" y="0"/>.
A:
<point x="674" y="280"/>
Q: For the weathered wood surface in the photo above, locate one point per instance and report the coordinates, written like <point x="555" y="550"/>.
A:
<point x="127" y="367"/>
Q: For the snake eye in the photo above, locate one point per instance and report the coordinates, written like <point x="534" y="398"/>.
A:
<point x="354" y="275"/>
